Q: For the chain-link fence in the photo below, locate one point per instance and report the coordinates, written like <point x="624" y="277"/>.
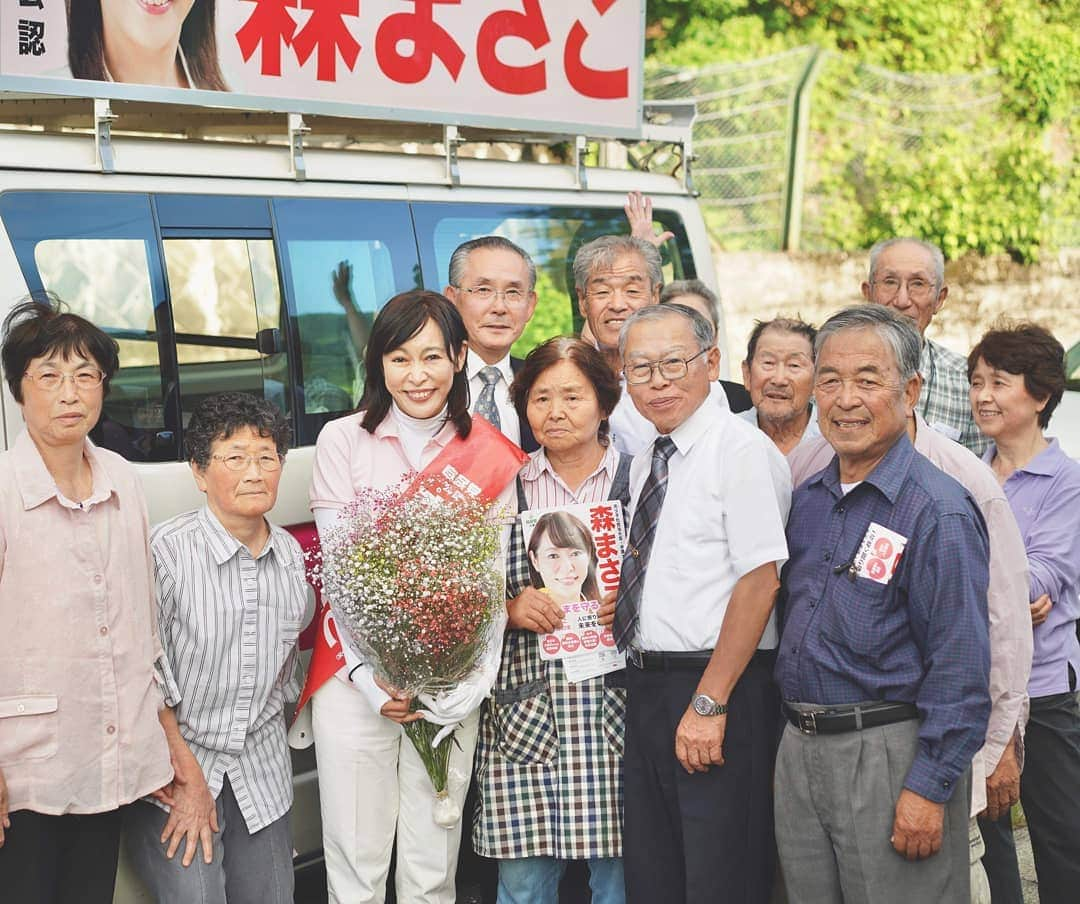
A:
<point x="742" y="139"/>
<point x="809" y="149"/>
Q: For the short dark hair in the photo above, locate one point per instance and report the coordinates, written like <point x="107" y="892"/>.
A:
<point x="41" y="325"/>
<point x="785" y="324"/>
<point x="1030" y="351"/>
<point x="401" y="318"/>
<point x="460" y="257"/>
<point x="585" y="358"/>
<point x="221" y="416"/>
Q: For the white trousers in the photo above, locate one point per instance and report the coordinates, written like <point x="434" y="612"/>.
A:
<point x="373" y="786"/>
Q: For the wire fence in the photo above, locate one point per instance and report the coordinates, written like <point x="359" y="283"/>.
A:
<point x="785" y="145"/>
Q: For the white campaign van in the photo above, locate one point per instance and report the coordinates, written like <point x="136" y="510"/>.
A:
<point x="223" y="252"/>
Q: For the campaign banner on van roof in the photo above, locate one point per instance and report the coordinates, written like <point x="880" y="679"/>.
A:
<point x="572" y="66"/>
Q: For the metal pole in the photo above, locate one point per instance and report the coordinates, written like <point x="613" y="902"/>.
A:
<point x="798" y="136"/>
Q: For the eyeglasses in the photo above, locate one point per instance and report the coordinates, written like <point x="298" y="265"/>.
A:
<point x="918" y="288"/>
<point x="670" y="369"/>
<point x="238" y="462"/>
<point x="52" y="380"/>
<point x="512" y="297"/>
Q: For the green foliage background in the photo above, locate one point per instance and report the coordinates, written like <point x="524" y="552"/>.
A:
<point x="1007" y="183"/>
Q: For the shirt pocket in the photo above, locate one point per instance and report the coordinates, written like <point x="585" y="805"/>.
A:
<point x="30" y="728"/>
<point x="524" y="723"/>
<point x="858" y="616"/>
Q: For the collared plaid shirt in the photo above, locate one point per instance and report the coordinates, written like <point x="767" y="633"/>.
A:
<point x="549" y="755"/>
<point x="922" y="637"/>
<point x="945" y="401"/>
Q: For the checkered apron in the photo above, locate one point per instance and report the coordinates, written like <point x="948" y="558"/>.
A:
<point x="549" y="755"/>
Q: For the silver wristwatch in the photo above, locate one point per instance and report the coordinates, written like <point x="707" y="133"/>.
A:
<point x="704" y="705"/>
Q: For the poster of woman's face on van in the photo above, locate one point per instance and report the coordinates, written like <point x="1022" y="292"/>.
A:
<point x="555" y="64"/>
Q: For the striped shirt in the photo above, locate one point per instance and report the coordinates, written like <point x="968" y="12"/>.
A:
<point x="229" y="623"/>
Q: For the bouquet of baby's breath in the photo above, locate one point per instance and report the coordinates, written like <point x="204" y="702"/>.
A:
<point x="415" y="579"/>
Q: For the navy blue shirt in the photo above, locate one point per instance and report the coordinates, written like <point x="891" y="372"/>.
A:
<point x="921" y="638"/>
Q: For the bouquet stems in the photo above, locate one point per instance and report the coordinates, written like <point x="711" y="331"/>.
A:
<point x="436" y="760"/>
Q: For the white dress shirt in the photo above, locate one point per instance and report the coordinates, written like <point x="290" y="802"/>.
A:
<point x="727" y="500"/>
<point x="508" y="417"/>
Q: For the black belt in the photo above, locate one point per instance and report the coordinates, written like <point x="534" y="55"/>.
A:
<point x="850" y="718"/>
<point x="651" y="661"/>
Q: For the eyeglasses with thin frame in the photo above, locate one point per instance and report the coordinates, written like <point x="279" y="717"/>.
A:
<point x="918" y="288"/>
<point x="512" y="297"/>
<point x="670" y="369"/>
<point x="235" y="461"/>
<point x="85" y="378"/>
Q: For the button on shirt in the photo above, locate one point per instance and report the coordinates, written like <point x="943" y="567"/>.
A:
<point x="509" y="423"/>
<point x="1045" y="498"/>
<point x="921" y="638"/>
<point x="229" y="623"/>
<point x="82" y="676"/>
<point x="727" y="498"/>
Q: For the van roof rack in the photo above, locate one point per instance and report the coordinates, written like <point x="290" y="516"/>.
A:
<point x="665" y="143"/>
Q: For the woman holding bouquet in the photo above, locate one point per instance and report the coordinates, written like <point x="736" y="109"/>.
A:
<point x="550" y="751"/>
<point x="373" y="784"/>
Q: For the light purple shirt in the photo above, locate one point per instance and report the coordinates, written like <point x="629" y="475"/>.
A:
<point x="1045" y="498"/>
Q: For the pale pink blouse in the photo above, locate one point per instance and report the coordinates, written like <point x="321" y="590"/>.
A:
<point x="82" y="676"/>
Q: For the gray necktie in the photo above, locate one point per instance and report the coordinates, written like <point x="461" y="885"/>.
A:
<point x="485" y="405"/>
<point x="639" y="545"/>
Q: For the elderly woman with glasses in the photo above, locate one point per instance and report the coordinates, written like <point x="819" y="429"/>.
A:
<point x="1017" y="378"/>
<point x="83" y="683"/>
<point x="231" y="590"/>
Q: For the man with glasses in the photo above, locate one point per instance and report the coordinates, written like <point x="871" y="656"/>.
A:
<point x="884" y="656"/>
<point x="232" y="598"/>
<point x="908" y="275"/>
<point x="493" y="286"/>
<point x="694" y="614"/>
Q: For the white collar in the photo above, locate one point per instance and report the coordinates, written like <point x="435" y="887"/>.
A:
<point x="474" y="364"/>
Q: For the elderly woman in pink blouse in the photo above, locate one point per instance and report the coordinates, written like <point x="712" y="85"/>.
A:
<point x="82" y="678"/>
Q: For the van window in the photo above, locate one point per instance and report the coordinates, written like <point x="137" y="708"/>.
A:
<point x="341" y="260"/>
<point x="551" y="235"/>
<point x="227" y="319"/>
<point x="272" y="296"/>
<point x="99" y="254"/>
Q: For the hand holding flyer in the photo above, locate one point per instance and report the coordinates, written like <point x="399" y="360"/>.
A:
<point x="575" y="554"/>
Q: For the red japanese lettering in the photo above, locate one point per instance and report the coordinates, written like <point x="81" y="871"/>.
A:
<point x="326" y="32"/>
<point x="509" y="23"/>
<point x="428" y="39"/>
<point x="269" y="26"/>
<point x="602" y="84"/>
<point x="601" y="518"/>
<point x="606" y="547"/>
